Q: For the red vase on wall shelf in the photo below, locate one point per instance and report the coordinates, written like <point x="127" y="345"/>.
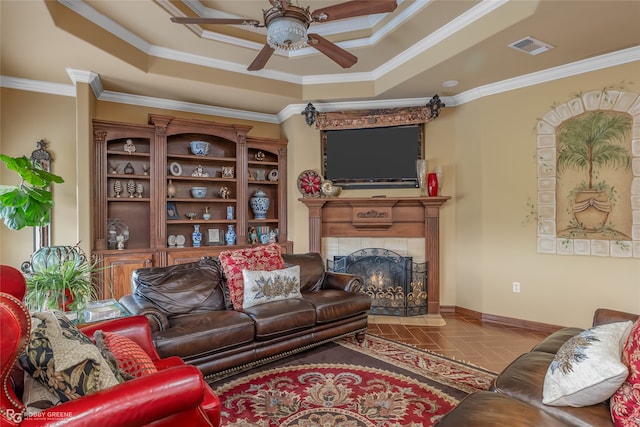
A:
<point x="432" y="184"/>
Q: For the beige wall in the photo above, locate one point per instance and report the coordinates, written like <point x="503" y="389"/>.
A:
<point x="487" y="150"/>
<point x="26" y="118"/>
<point x="495" y="176"/>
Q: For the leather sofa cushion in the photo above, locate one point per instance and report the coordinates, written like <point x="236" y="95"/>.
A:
<point x="197" y="334"/>
<point x="523" y="379"/>
<point x="332" y="304"/>
<point x="311" y="269"/>
<point x="553" y="342"/>
<point x="281" y="318"/>
<point x="190" y="288"/>
<point x="487" y="409"/>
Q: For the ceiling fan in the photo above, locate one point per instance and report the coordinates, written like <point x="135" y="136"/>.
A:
<point x="287" y="26"/>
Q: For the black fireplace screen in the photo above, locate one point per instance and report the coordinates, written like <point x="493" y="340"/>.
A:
<point x="397" y="286"/>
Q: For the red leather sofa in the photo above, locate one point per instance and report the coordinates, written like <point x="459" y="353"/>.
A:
<point x="175" y="395"/>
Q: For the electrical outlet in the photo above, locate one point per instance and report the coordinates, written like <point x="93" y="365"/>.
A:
<point x="516" y="286"/>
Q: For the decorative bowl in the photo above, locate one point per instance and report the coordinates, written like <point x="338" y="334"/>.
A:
<point x="191" y="215"/>
<point x="199" y="192"/>
<point x="200" y="148"/>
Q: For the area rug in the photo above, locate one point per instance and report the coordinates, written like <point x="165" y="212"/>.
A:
<point x="377" y="383"/>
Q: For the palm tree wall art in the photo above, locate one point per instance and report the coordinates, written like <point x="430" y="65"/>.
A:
<point x="588" y="152"/>
<point x="592" y="143"/>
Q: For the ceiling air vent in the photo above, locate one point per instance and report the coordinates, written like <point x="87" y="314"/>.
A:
<point x="531" y="46"/>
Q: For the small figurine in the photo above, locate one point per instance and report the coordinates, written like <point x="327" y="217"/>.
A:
<point x="253" y="236"/>
<point x="129" y="147"/>
<point x="225" y="193"/>
<point x="199" y="172"/>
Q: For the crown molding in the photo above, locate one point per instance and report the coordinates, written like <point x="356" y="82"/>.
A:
<point x="37" y="86"/>
<point x="620" y="57"/>
<point x="580" y="67"/>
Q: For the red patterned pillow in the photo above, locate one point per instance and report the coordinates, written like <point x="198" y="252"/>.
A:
<point x="266" y="258"/>
<point x="625" y="403"/>
<point x="129" y="356"/>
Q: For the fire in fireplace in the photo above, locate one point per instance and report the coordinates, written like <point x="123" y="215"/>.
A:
<point x="396" y="285"/>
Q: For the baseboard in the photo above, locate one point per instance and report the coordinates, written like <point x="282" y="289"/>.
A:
<point x="502" y="320"/>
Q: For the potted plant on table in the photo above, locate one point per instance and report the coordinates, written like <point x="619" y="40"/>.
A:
<point x="66" y="285"/>
<point x="66" y="282"/>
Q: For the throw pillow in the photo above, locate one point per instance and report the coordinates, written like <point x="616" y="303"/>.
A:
<point x="265" y="286"/>
<point x="130" y="358"/>
<point x="587" y="368"/>
<point x="625" y="403"/>
<point x="64" y="359"/>
<point x="36" y="397"/>
<point x="267" y="258"/>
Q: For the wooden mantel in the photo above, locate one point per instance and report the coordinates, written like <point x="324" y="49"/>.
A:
<point x="382" y="217"/>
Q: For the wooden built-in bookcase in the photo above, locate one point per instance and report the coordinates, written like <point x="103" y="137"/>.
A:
<point x="164" y="142"/>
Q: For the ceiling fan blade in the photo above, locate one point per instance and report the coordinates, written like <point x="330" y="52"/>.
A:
<point x="333" y="51"/>
<point x="188" y="20"/>
<point x="353" y="8"/>
<point x="261" y="59"/>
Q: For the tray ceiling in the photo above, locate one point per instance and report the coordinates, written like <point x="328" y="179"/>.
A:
<point x="409" y="53"/>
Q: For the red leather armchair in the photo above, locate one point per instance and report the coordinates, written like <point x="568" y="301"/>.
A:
<point x="175" y="395"/>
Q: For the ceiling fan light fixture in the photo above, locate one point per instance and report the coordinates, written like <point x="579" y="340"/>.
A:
<point x="287" y="33"/>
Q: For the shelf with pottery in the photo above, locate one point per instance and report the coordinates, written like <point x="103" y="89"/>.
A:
<point x="213" y="183"/>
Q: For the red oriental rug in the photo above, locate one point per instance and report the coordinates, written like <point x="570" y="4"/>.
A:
<point x="377" y="383"/>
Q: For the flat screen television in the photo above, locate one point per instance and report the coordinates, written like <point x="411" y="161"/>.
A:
<point x="383" y="157"/>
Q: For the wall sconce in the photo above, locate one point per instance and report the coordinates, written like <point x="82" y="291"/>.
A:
<point x="310" y="113"/>
<point x="435" y="105"/>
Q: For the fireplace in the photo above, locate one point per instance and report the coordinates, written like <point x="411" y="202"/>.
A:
<point x="367" y="218"/>
<point x="396" y="285"/>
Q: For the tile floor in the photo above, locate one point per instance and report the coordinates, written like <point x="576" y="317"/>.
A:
<point x="488" y="345"/>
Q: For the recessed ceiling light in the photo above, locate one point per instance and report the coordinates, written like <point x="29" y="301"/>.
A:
<point x="450" y="83"/>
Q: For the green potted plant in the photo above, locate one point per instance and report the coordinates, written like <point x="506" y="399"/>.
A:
<point x="29" y="203"/>
<point x="585" y="143"/>
<point x="66" y="285"/>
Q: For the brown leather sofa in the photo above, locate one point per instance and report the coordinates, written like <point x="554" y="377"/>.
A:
<point x="516" y="396"/>
<point x="191" y="315"/>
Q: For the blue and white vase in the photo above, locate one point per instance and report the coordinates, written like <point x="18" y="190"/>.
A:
<point x="259" y="204"/>
<point x="230" y="236"/>
<point x="196" y="236"/>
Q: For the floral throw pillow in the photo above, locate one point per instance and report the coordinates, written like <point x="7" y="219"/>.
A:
<point x="587" y="369"/>
<point x="266" y="258"/>
<point x="261" y="287"/>
<point x="65" y="360"/>
<point x="625" y="403"/>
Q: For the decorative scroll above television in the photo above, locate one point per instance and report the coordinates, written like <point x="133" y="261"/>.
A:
<point x="358" y="119"/>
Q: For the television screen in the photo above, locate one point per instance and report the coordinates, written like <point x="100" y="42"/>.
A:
<point x="372" y="157"/>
